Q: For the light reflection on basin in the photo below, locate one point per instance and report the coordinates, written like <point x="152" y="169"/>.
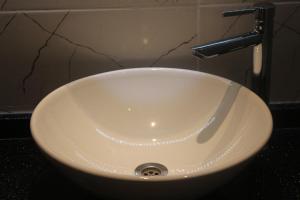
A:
<point x="202" y="128"/>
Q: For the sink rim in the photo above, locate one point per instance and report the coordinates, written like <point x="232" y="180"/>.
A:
<point x="238" y="160"/>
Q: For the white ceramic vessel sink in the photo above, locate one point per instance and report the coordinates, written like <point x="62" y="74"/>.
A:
<point x="201" y="128"/>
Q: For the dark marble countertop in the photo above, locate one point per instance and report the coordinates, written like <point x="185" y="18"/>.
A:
<point x="274" y="173"/>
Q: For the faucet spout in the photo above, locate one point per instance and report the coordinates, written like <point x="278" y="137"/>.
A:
<point x="223" y="46"/>
<point x="260" y="37"/>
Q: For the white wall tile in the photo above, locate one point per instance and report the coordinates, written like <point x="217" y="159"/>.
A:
<point x="88" y="43"/>
<point x="95" y="41"/>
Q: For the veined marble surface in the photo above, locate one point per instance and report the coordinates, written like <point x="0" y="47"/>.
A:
<point x="91" y="4"/>
<point x="41" y="50"/>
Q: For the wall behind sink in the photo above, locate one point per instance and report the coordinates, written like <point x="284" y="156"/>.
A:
<point x="45" y="44"/>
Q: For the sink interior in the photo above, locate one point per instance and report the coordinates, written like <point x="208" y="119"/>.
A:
<point x="190" y="122"/>
<point x="145" y="109"/>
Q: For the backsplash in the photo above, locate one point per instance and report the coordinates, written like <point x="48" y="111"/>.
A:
<point x="45" y="44"/>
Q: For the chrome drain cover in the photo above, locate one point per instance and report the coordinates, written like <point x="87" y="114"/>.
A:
<point x="151" y="169"/>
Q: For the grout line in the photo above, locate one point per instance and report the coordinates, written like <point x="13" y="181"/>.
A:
<point x="136" y="8"/>
<point x="284" y="102"/>
<point x="224" y="5"/>
<point x="93" y="9"/>
<point x="286" y="129"/>
<point x="245" y="4"/>
<point x="9" y="113"/>
<point x="29" y="138"/>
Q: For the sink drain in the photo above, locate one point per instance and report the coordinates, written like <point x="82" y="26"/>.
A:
<point x="151" y="169"/>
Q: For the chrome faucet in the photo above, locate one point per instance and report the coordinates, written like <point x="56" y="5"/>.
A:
<point x="260" y="38"/>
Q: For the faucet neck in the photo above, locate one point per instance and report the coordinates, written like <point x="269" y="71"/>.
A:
<point x="264" y="25"/>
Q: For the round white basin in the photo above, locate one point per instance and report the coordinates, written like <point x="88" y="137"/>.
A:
<point x="201" y="128"/>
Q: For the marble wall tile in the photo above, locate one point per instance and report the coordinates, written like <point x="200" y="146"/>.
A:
<point x="21" y="43"/>
<point x="40" y="51"/>
<point x="286" y="51"/>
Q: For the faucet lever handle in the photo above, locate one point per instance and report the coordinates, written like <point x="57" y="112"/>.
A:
<point x="245" y="11"/>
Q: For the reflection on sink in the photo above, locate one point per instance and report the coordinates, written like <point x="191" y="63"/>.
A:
<point x="186" y="132"/>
